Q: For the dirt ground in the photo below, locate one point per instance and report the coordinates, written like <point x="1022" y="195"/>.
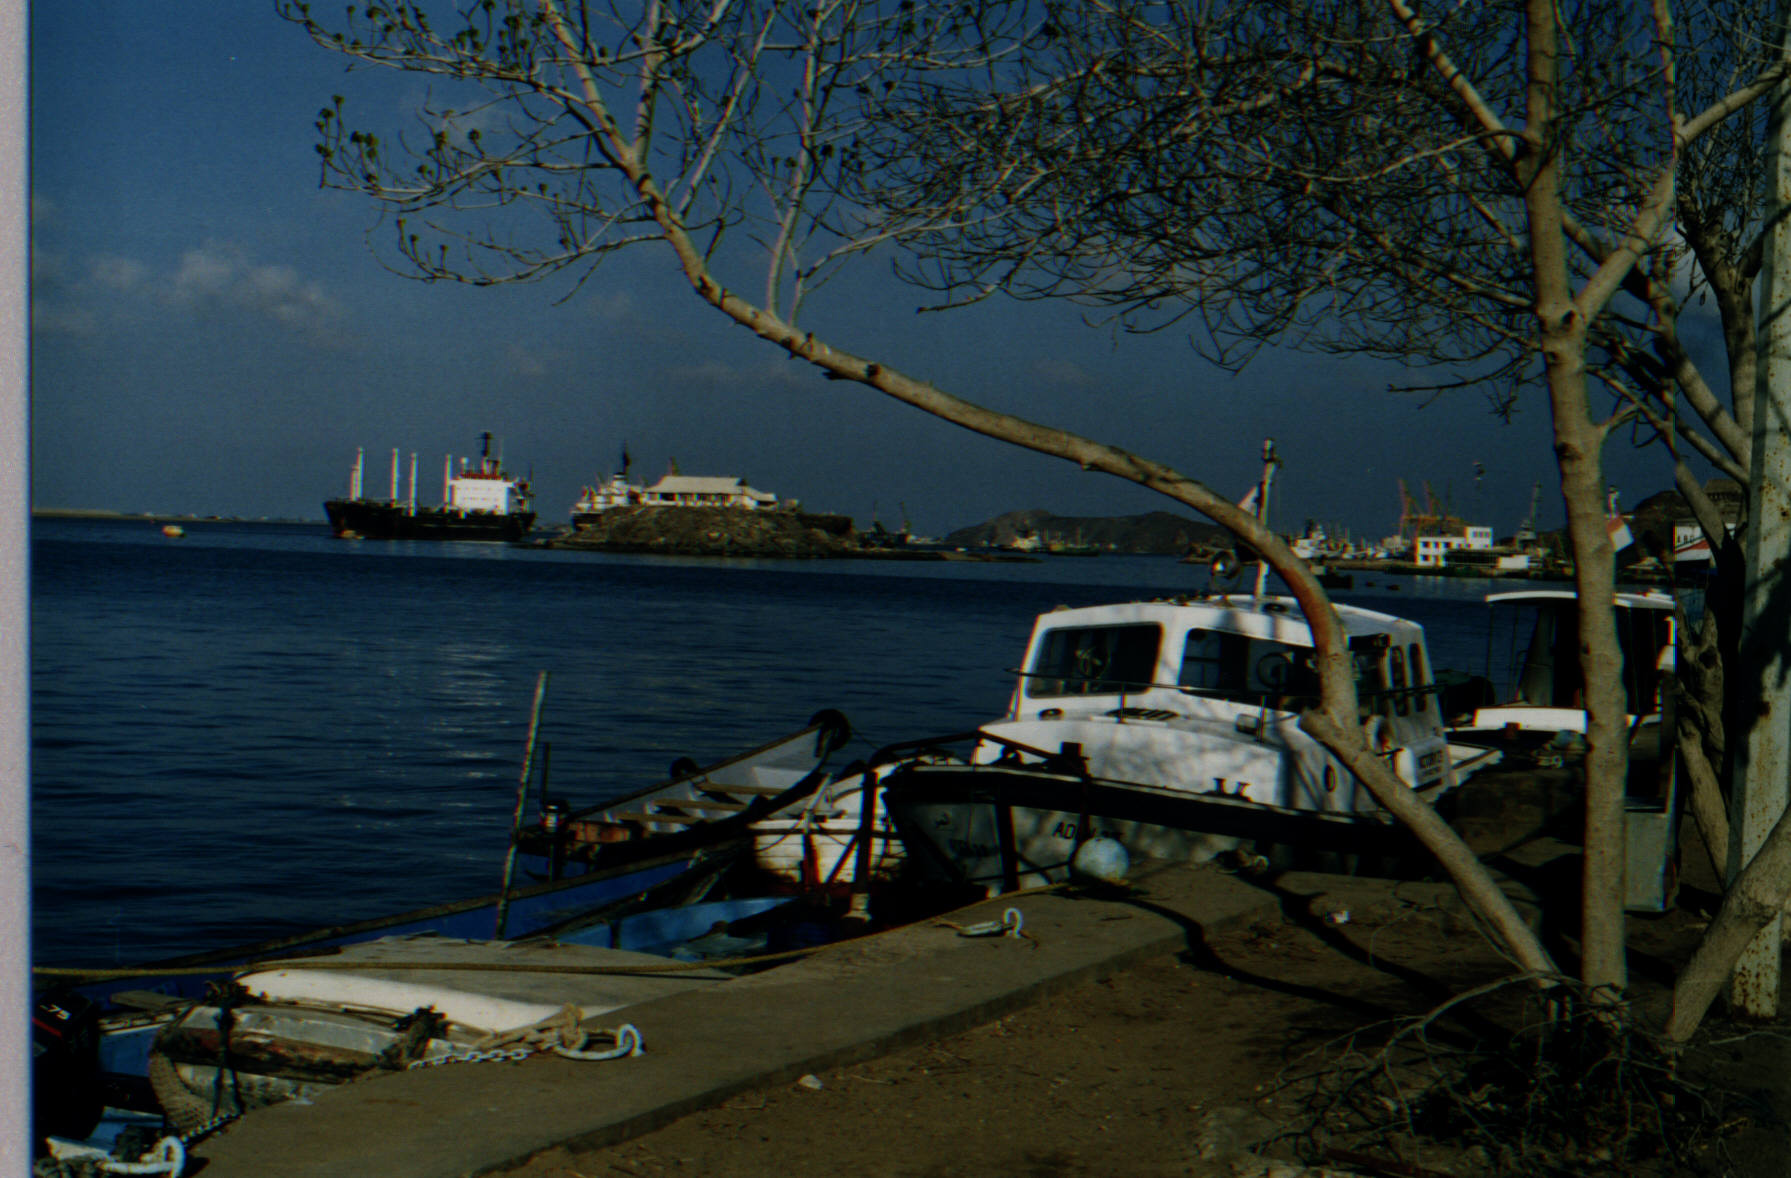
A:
<point x="1206" y="1063"/>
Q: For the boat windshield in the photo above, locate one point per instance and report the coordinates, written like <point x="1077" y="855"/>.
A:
<point x="1249" y="670"/>
<point x="1095" y="660"/>
<point x="1533" y="654"/>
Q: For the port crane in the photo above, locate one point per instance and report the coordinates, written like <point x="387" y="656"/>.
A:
<point x="1526" y="535"/>
<point x="1434" y="519"/>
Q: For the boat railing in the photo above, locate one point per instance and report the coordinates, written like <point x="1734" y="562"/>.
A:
<point x="1371" y="700"/>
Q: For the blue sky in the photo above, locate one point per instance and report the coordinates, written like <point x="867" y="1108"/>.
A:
<point x="212" y="334"/>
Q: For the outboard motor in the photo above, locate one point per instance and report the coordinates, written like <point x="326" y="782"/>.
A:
<point x="65" y="1075"/>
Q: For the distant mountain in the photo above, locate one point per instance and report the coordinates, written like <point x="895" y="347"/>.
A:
<point x="1155" y="533"/>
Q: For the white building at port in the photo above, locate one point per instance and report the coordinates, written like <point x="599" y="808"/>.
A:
<point x="1433" y="551"/>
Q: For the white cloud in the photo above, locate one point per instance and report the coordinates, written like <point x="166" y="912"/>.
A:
<point x="69" y="293"/>
<point x="223" y="276"/>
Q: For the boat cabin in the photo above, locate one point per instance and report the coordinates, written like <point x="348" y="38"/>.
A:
<point x="1536" y="709"/>
<point x="1533" y="662"/>
<point x="1233" y="659"/>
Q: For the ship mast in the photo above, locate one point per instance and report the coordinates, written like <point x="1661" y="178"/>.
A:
<point x="1269" y="463"/>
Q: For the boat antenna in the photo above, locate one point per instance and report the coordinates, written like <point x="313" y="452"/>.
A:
<point x="1269" y="463"/>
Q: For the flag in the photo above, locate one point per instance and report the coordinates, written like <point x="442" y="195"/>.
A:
<point x="1617" y="527"/>
<point x="1248" y="502"/>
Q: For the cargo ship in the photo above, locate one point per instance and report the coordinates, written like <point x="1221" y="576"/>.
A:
<point x="478" y="503"/>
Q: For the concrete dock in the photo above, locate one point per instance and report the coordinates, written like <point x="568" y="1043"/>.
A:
<point x="850" y="1002"/>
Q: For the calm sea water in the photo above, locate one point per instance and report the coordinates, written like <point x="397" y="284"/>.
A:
<point x="258" y="729"/>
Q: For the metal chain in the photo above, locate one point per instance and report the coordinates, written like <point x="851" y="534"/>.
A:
<point x="627" y="1037"/>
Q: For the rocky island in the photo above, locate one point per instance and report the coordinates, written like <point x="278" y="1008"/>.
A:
<point x="787" y="533"/>
<point x="714" y="531"/>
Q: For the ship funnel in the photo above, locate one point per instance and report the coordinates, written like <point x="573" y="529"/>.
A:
<point x="354" y="475"/>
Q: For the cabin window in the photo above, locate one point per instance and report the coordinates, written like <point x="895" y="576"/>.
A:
<point x="1371" y="675"/>
<point x="1248" y="670"/>
<point x="1214" y="661"/>
<point x="1095" y="660"/>
<point x="1644" y="635"/>
<point x="1421" y="696"/>
<point x="1402" y="700"/>
<point x="1534" y="654"/>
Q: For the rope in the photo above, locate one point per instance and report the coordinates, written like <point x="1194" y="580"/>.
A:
<point x="628" y="1043"/>
<point x="1011" y="924"/>
<point x="169" y="1156"/>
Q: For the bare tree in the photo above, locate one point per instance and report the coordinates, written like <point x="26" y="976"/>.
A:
<point x="564" y="132"/>
<point x="1493" y="189"/>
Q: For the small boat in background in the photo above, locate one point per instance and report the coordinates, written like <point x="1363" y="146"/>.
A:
<point x="808" y="824"/>
<point x="173" y="531"/>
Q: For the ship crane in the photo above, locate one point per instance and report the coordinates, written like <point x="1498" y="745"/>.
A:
<point x="1435" y="519"/>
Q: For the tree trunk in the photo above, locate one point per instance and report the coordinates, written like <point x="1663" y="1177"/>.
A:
<point x="1762" y="735"/>
<point x="1578" y="440"/>
<point x="1755" y="899"/>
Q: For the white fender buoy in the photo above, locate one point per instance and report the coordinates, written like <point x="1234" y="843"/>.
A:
<point x="1101" y="860"/>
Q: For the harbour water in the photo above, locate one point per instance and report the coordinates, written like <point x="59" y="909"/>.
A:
<point x="256" y="729"/>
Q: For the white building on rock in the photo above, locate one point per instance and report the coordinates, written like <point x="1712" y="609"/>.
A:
<point x="678" y="490"/>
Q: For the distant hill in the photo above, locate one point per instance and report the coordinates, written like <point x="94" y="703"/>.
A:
<point x="1155" y="533"/>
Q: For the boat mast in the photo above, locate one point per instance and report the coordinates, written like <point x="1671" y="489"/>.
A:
<point x="1269" y="463"/>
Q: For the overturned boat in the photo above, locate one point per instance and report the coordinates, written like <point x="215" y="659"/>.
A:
<point x="293" y="1030"/>
<point x="1172" y="728"/>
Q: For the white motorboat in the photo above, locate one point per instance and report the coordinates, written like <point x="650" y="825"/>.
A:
<point x="1534" y="677"/>
<point x="1172" y="726"/>
<point x="1531" y="709"/>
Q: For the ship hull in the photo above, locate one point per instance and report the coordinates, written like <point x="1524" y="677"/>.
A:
<point x="373" y="519"/>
